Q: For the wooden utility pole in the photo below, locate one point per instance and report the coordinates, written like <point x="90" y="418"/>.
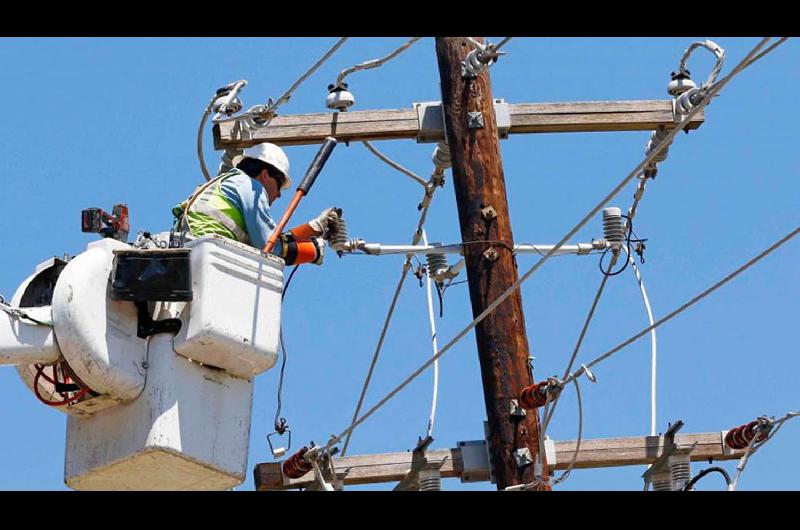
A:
<point x="471" y="133"/>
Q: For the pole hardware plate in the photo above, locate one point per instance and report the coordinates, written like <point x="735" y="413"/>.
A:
<point x="490" y="254"/>
<point x="515" y="410"/>
<point x="475" y="120"/>
<point x="488" y="213"/>
<point x="522" y="457"/>
<point x="431" y="120"/>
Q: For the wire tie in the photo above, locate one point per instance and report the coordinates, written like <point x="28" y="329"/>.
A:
<point x="589" y="375"/>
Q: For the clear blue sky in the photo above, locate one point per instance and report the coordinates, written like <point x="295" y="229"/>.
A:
<point x="92" y="122"/>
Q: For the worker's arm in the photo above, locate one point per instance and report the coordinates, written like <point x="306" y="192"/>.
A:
<point x="250" y="197"/>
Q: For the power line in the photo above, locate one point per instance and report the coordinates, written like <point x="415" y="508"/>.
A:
<point x="374" y="63"/>
<point x="267" y="112"/>
<point x="394" y="164"/>
<point x="434" y="344"/>
<point x="429" y="191"/>
<point x="686" y="305"/>
<point x="288" y="94"/>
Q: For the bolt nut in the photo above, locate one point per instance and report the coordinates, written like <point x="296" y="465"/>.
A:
<point x="488" y="213"/>
<point x="475" y="120"/>
<point x="490" y="254"/>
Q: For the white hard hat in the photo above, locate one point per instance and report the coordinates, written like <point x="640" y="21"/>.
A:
<point x="272" y="155"/>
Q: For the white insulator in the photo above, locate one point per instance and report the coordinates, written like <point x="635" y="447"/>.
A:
<point x="339" y="98"/>
<point x="688" y="100"/>
<point x="339" y="241"/>
<point x="662" y="481"/>
<point x="656" y="138"/>
<point x="613" y="228"/>
<point x="680" y="469"/>
<point x="437" y="264"/>
<point x="441" y="156"/>
<point x="679" y="84"/>
<point x="430" y="480"/>
<point x="473" y="64"/>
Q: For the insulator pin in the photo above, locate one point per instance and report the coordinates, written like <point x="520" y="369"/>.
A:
<point x="613" y="228"/>
<point x="437" y="265"/>
<point x="295" y="466"/>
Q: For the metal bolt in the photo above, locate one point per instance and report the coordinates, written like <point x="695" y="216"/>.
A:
<point x="523" y="457"/>
<point x="515" y="410"/>
<point x="488" y="213"/>
<point x="475" y="120"/>
<point x="491" y="254"/>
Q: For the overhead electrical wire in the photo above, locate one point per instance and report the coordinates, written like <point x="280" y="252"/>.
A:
<point x="374" y="63"/>
<point x="711" y="92"/>
<point x="266" y="112"/>
<point x="434" y="344"/>
<point x="757" y="443"/>
<point x="653" y="346"/>
<point x="686" y="305"/>
<point x="419" y="180"/>
<point x="429" y="191"/>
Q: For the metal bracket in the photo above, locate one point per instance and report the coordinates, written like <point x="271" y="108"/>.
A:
<point x="418" y="462"/>
<point x="475" y="120"/>
<point x="475" y="461"/>
<point x="550" y="451"/>
<point x="430" y="121"/>
<point x="670" y="447"/>
<point x="725" y="449"/>
<point x="503" y="118"/>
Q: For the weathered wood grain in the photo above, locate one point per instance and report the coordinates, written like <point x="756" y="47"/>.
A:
<point x="586" y="116"/>
<point x="605" y="452"/>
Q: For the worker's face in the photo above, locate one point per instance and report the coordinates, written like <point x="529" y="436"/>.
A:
<point x="271" y="185"/>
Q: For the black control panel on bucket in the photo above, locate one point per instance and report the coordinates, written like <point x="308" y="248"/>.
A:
<point x="152" y="275"/>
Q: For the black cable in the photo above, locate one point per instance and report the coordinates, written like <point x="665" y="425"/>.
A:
<point x="705" y="472"/>
<point x="628" y="241"/>
<point x="286" y="285"/>
<point x="280" y="423"/>
<point x="440" y="292"/>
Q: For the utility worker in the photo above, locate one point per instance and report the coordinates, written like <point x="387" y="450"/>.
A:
<point x="236" y="206"/>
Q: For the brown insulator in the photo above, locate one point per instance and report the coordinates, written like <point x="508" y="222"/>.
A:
<point x="534" y="396"/>
<point x="741" y="436"/>
<point x="295" y="466"/>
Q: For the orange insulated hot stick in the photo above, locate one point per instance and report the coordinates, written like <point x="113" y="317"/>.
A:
<point x="302" y="190"/>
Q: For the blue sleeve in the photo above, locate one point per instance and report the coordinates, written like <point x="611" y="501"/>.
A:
<point x="250" y="198"/>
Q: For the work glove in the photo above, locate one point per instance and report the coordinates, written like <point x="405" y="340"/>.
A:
<point x="325" y="224"/>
